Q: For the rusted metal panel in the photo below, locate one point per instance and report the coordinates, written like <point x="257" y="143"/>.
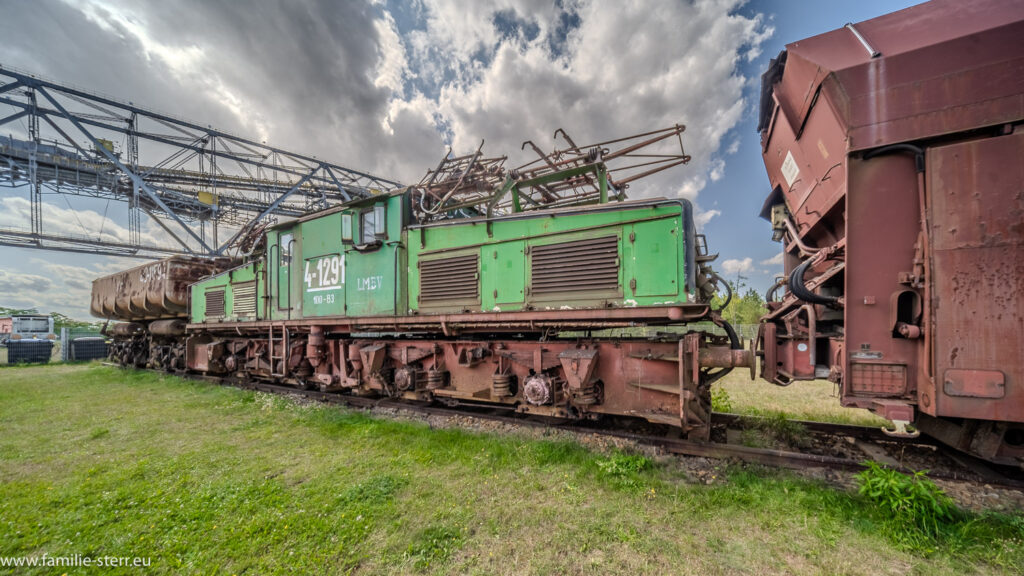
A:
<point x="152" y="291"/>
<point x="976" y="220"/>
<point x="810" y="173"/>
<point x="944" y="66"/>
<point x="476" y="321"/>
<point x="171" y="327"/>
<point x="893" y="410"/>
<point x="894" y="150"/>
<point x="974" y="383"/>
<point x="881" y="230"/>
<point x="930" y="230"/>
<point x="578" y="366"/>
<point x="660" y="381"/>
<point x="633" y="378"/>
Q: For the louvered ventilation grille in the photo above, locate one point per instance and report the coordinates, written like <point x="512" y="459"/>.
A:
<point x="245" y="299"/>
<point x="453" y="278"/>
<point x="579" y="266"/>
<point x="885" y="379"/>
<point x="214" y="304"/>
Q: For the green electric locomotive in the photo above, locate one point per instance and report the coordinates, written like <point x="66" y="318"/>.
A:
<point x="368" y="258"/>
<point x="477" y="286"/>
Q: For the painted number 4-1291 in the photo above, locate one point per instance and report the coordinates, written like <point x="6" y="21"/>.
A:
<point x="324" y="274"/>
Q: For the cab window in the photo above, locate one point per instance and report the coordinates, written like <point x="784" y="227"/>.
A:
<point x="287" y="241"/>
<point x="346" y="227"/>
<point x="367" y="227"/>
<point x="372" y="224"/>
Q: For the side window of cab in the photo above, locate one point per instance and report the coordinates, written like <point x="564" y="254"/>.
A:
<point x="346" y="228"/>
<point x="367" y="226"/>
<point x="373" y="224"/>
<point x="286" y="243"/>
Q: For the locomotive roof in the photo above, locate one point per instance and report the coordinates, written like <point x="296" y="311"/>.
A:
<point x="941" y="67"/>
<point x="339" y="208"/>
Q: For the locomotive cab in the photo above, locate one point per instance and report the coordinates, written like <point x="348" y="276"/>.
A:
<point x="340" y="262"/>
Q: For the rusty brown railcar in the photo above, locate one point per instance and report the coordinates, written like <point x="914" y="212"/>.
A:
<point x="894" y="148"/>
<point x="153" y="290"/>
<point x="151" y="303"/>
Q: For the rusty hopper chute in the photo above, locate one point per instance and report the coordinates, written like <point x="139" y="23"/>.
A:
<point x="152" y="291"/>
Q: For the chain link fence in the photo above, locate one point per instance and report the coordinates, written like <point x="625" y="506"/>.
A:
<point x="76" y="345"/>
<point x="29" y="350"/>
<point x="73" y="345"/>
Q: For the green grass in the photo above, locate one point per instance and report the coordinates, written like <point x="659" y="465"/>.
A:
<point x="773" y="430"/>
<point x="203" y="479"/>
<point x="815" y="400"/>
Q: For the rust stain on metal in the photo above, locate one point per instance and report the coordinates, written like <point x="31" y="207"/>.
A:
<point x="976" y="216"/>
<point x="975" y="383"/>
<point x="152" y="291"/>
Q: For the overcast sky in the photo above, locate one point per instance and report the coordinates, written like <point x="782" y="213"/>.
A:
<point x="386" y="86"/>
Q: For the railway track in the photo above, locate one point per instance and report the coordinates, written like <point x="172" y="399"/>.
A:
<point x="961" y="468"/>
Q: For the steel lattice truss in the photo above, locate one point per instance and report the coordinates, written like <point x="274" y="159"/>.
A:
<point x="189" y="179"/>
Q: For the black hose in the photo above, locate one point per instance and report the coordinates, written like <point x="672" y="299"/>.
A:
<point x="734" y="343"/>
<point x="728" y="290"/>
<point x="711" y="378"/>
<point x="798" y="289"/>
<point x="734" y="339"/>
<point x="770" y="295"/>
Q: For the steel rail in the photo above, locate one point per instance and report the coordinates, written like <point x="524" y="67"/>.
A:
<point x="973" y="471"/>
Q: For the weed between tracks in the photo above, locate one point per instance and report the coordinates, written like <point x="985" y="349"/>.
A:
<point x="919" y="517"/>
<point x="205" y="479"/>
<point x="773" y="429"/>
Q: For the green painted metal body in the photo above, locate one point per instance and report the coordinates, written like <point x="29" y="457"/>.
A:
<point x="649" y="249"/>
<point x="343" y="263"/>
<point x="231" y="283"/>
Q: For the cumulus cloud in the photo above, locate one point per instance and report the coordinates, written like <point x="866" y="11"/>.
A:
<point x="83" y="223"/>
<point x="15" y="282"/>
<point x="774" y="260"/>
<point x="347" y="83"/>
<point x="734" y="266"/>
<point x="55" y="287"/>
<point x="637" y="67"/>
<point x="702" y="218"/>
<point x="391" y="65"/>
